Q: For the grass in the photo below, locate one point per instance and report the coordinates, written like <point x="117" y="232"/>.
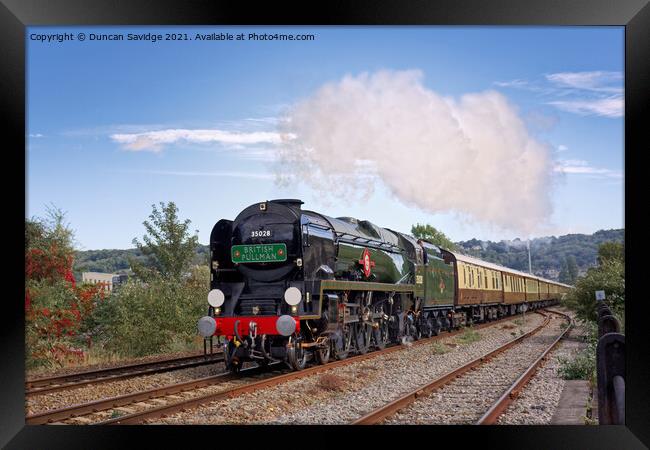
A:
<point x="580" y="367"/>
<point x="468" y="336"/>
<point x="439" y="349"/>
<point x="99" y="356"/>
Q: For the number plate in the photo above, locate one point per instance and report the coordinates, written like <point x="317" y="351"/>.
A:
<point x="259" y="253"/>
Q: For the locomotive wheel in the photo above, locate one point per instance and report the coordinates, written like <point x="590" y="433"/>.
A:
<point x="427" y="329"/>
<point x="363" y="334"/>
<point x="347" y="343"/>
<point x="235" y="367"/>
<point x="323" y="354"/>
<point x="296" y="355"/>
<point x="411" y="330"/>
<point x="437" y="326"/>
<point x="380" y="335"/>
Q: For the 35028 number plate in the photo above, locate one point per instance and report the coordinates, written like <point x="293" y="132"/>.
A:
<point x="259" y="253"/>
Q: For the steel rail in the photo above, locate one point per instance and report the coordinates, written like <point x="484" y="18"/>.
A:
<point x="501" y="405"/>
<point x="69" y="412"/>
<point x="165" y="410"/>
<point x="73" y="411"/>
<point x="78" y="379"/>
<point x="391" y="408"/>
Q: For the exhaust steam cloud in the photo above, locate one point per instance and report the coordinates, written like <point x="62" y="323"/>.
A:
<point x="472" y="156"/>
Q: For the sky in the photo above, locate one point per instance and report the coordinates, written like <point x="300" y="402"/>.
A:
<point x="483" y="132"/>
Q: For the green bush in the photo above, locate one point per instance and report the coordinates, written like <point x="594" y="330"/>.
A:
<point x="609" y="276"/>
<point x="148" y="318"/>
<point x="583" y="365"/>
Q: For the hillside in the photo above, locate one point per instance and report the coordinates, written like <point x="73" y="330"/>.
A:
<point x="547" y="254"/>
<point x="117" y="261"/>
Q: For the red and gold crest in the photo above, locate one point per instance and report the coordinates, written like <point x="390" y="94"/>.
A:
<point x="366" y="263"/>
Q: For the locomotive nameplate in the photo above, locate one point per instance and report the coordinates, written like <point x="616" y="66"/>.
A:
<point x="259" y="253"/>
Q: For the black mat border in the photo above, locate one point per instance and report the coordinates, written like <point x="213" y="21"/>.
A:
<point x="635" y="15"/>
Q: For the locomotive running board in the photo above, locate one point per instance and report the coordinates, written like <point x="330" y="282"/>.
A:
<point x="365" y="286"/>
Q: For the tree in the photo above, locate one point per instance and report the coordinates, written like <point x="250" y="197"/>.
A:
<point x="431" y="234"/>
<point x="55" y="307"/>
<point x="168" y="245"/>
<point x="609" y="276"/>
<point x="611" y="251"/>
<point x="157" y="310"/>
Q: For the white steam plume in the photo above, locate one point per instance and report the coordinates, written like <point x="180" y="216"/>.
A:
<point x="472" y="156"/>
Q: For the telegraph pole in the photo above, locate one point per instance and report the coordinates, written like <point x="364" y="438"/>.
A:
<point x="530" y="271"/>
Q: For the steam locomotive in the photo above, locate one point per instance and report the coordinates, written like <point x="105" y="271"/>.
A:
<point x="294" y="285"/>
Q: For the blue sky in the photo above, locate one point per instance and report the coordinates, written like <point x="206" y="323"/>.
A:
<point x="104" y="117"/>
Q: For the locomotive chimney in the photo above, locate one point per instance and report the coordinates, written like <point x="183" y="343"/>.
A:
<point x="289" y="202"/>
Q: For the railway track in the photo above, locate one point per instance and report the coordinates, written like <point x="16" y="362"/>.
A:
<point x="160" y="402"/>
<point x="37" y="386"/>
<point x="93" y="411"/>
<point x="477" y="392"/>
<point x="187" y="404"/>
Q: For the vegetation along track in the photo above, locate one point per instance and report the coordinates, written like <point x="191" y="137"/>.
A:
<point x="479" y="391"/>
<point x="45" y="385"/>
<point x="242" y="388"/>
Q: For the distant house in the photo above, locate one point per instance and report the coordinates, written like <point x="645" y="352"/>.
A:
<point x="110" y="280"/>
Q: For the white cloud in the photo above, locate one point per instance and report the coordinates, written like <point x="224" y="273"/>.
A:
<point x="562" y="148"/>
<point x="582" y="167"/>
<point x="37" y="135"/>
<point x="251" y="175"/>
<point x="155" y="140"/>
<point x="512" y="83"/>
<point x="599" y="81"/>
<point x="258" y="154"/>
<point x="606" y="107"/>
<point x="597" y="93"/>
